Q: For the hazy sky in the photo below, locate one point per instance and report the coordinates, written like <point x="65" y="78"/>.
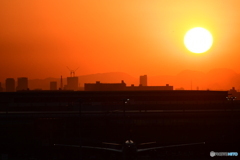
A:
<point x="39" y="39"/>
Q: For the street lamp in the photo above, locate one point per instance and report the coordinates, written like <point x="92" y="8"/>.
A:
<point x="125" y="102"/>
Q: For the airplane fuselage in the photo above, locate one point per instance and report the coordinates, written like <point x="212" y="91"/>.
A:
<point x="129" y="149"/>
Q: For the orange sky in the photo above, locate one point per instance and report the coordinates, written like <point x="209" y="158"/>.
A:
<point x="38" y="39"/>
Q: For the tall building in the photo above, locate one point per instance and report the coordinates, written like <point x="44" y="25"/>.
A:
<point x="53" y="85"/>
<point x="22" y="83"/>
<point x="10" y="85"/>
<point x="143" y="80"/>
<point x="72" y="83"/>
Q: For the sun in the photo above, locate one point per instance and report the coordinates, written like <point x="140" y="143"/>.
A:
<point x="198" y="40"/>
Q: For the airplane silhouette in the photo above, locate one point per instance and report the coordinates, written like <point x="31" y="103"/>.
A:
<point x="129" y="148"/>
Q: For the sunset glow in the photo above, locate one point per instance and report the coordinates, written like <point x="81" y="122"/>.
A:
<point x="38" y="39"/>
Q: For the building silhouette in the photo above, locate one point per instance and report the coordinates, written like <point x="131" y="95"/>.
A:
<point x="1" y="89"/>
<point x="10" y="85"/>
<point x="53" y="85"/>
<point x="98" y="86"/>
<point x="233" y="94"/>
<point x="143" y="80"/>
<point x="149" y="88"/>
<point x="72" y="83"/>
<point x="22" y="83"/>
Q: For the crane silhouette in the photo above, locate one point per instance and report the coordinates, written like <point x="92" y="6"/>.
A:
<point x="72" y="72"/>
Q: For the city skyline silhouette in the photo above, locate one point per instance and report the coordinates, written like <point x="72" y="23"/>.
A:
<point x="216" y="79"/>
